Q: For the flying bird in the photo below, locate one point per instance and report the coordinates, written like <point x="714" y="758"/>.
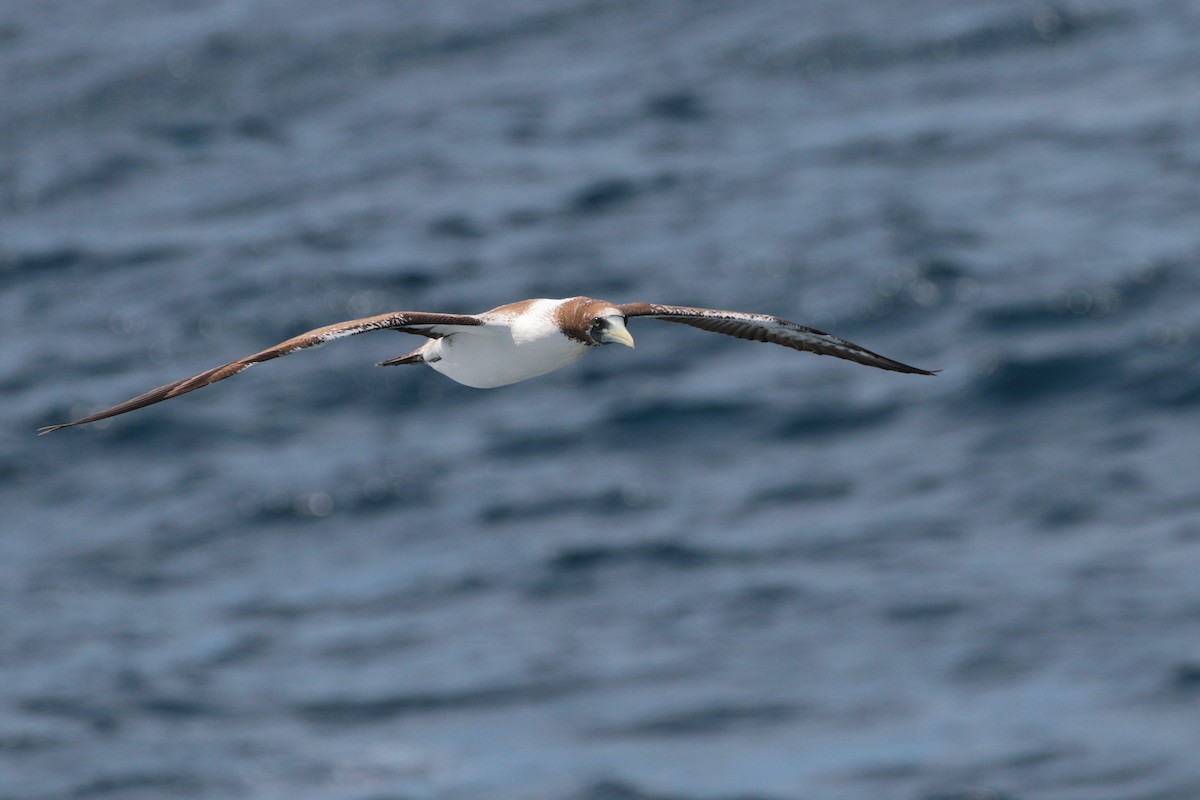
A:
<point x="521" y="340"/>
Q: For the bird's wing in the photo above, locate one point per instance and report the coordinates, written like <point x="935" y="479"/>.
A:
<point x="419" y="322"/>
<point x="764" y="328"/>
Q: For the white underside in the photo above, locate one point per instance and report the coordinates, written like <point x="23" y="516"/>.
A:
<point x="498" y="354"/>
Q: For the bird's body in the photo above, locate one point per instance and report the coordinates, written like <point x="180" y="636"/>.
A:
<point x="522" y="340"/>
<point x="515" y="343"/>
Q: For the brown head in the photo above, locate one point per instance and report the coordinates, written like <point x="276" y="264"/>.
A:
<point x="592" y="322"/>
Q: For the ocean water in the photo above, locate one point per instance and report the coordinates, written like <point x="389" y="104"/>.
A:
<point x="706" y="569"/>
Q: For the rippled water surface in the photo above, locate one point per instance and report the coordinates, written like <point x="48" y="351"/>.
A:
<point x="702" y="570"/>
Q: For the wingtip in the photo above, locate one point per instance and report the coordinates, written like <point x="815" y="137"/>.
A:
<point x="49" y="429"/>
<point x="909" y="369"/>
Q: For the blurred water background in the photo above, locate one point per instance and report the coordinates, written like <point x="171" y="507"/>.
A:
<point x="702" y="570"/>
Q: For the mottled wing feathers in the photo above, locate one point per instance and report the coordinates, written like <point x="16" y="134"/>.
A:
<point x="425" y="324"/>
<point x="764" y="328"/>
<point x="571" y="319"/>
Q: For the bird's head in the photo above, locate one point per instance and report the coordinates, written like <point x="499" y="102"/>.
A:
<point x="609" y="329"/>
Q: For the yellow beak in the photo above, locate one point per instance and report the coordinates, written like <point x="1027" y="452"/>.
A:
<point x="616" y="332"/>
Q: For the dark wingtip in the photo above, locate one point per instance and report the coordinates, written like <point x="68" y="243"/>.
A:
<point x="909" y="369"/>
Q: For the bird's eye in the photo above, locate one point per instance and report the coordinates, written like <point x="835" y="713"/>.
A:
<point x="597" y="324"/>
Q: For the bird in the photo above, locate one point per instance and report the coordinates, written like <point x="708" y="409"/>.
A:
<point x="519" y="341"/>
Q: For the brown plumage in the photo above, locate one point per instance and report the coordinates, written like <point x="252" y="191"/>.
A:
<point x="521" y="340"/>
<point x="765" y="328"/>
<point x="409" y="322"/>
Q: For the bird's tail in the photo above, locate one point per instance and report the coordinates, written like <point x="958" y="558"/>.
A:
<point x="415" y="357"/>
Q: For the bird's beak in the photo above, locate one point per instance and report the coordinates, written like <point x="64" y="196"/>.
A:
<point x="615" y="332"/>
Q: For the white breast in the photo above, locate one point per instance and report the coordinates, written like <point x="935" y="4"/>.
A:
<point x="505" y="352"/>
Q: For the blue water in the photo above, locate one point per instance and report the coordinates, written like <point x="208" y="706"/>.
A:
<point x="702" y="570"/>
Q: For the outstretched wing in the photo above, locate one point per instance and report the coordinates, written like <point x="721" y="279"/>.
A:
<point x="425" y="324"/>
<point x="764" y="328"/>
